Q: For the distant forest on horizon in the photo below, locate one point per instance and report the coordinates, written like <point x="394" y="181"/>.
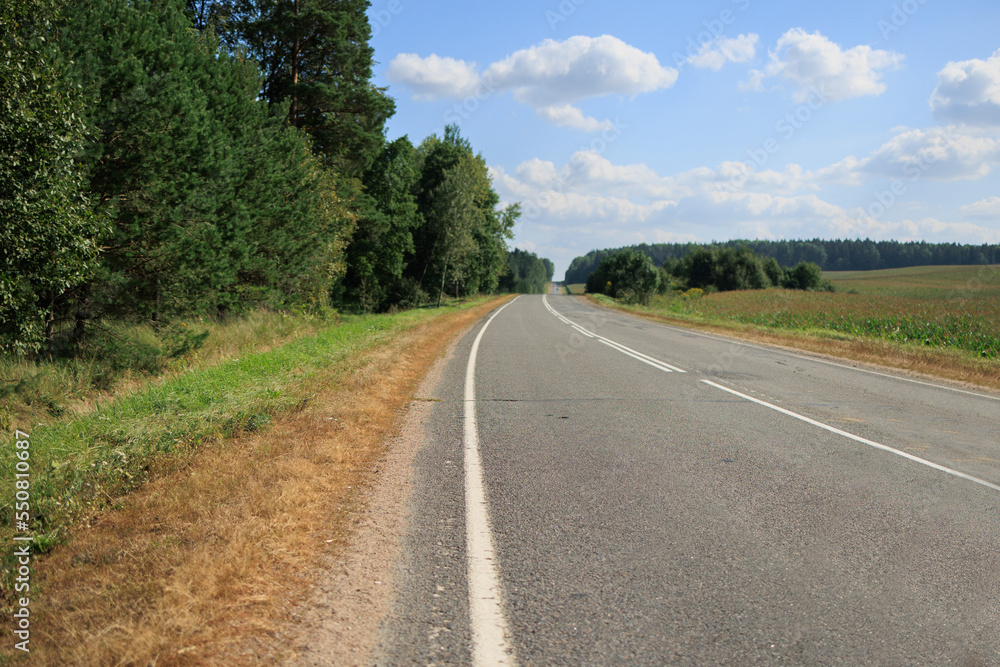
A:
<point x="833" y="255"/>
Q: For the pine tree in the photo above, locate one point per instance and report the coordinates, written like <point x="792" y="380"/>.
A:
<point x="315" y="56"/>
<point x="384" y="236"/>
<point x="214" y="202"/>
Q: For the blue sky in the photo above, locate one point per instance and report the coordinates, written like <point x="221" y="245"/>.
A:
<point x="630" y="122"/>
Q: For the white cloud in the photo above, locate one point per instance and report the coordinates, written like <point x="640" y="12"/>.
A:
<point x="549" y="77"/>
<point x="940" y="153"/>
<point x="721" y="50"/>
<point x="569" y="116"/>
<point x="599" y="203"/>
<point x="556" y="73"/>
<point x="589" y="170"/>
<point x="753" y="82"/>
<point x="984" y="208"/>
<point x="925" y="229"/>
<point x="434" y="77"/>
<point x="600" y="196"/>
<point x="968" y="92"/>
<point x="810" y="61"/>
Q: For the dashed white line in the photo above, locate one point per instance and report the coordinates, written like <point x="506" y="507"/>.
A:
<point x="856" y="438"/>
<point x="901" y="378"/>
<point x="489" y="627"/>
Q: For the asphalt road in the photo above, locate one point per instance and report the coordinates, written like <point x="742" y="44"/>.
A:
<point x="757" y="508"/>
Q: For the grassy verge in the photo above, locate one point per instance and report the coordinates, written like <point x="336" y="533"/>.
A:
<point x="120" y="358"/>
<point x="941" y="321"/>
<point x="166" y="543"/>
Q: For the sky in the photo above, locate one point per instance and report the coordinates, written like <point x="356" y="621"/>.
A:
<point x="649" y="122"/>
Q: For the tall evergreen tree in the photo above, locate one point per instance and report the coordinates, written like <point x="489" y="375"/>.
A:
<point x="214" y="201"/>
<point x="315" y="56"/>
<point x="384" y="236"/>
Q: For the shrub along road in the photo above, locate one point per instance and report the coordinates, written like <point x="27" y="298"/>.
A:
<point x="656" y="495"/>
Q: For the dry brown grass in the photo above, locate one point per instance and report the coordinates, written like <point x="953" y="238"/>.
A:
<point x="933" y="363"/>
<point x="203" y="560"/>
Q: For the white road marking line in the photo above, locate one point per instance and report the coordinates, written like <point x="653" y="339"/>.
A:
<point x="635" y="356"/>
<point x="733" y="341"/>
<point x="857" y="438"/>
<point x="640" y="356"/>
<point x="489" y="627"/>
<point x="662" y="365"/>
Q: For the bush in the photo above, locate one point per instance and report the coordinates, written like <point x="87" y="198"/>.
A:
<point x="625" y="275"/>
<point x="729" y="269"/>
<point x="804" y="276"/>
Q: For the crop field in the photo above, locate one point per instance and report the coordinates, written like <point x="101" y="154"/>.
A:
<point x="954" y="307"/>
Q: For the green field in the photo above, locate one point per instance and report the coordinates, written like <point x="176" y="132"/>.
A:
<point x="955" y="307"/>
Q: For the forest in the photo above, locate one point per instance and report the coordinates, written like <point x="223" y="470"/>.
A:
<point x="165" y="159"/>
<point x="843" y="255"/>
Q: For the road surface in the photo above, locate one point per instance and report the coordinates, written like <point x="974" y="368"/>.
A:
<point x="651" y="496"/>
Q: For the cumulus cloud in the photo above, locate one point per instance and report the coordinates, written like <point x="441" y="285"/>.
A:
<point x="984" y="208"/>
<point x="940" y="153"/>
<point x="607" y="204"/>
<point x="968" y="92"/>
<point x="597" y="194"/>
<point x="925" y="229"/>
<point x="550" y="77"/>
<point x="713" y="55"/>
<point x="434" y="77"/>
<point x="556" y="73"/>
<point x="810" y="61"/>
<point x="569" y="116"/>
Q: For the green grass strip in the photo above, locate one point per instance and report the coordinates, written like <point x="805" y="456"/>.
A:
<point x="82" y="465"/>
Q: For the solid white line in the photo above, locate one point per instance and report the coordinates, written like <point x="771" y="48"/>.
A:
<point x="634" y="356"/>
<point x="489" y="627"/>
<point x="857" y="438"/>
<point x="639" y="355"/>
<point x="662" y="365"/>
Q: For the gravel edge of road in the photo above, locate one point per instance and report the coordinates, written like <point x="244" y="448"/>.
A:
<point x="355" y="590"/>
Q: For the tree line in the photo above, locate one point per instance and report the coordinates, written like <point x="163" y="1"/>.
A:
<point x="631" y="276"/>
<point x="527" y="273"/>
<point x="165" y="158"/>
<point x="835" y="255"/>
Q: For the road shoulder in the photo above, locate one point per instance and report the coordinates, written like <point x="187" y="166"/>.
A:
<point x="354" y="590"/>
